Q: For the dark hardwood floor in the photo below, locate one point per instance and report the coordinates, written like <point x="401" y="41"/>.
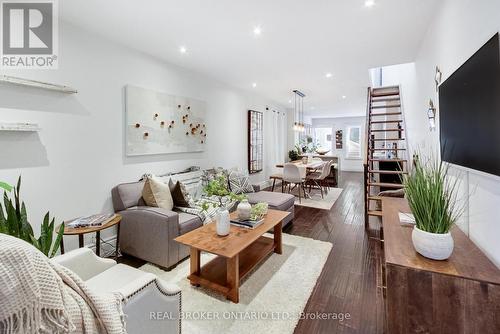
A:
<point x="349" y="280"/>
<point x="348" y="283"/>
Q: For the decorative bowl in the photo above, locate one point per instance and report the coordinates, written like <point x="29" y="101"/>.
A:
<point x="322" y="152"/>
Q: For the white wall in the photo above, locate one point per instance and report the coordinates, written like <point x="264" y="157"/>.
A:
<point x="341" y="123"/>
<point x="414" y="116"/>
<point x="70" y="166"/>
<point x="459" y="28"/>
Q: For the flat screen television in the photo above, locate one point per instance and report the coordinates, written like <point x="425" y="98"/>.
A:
<point x="469" y="111"/>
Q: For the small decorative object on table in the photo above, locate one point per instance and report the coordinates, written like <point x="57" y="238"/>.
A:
<point x="244" y="210"/>
<point x="254" y="218"/>
<point x="259" y="210"/>
<point x="218" y="188"/>
<point x="223" y="223"/>
<point x="433" y="201"/>
<point x="322" y="151"/>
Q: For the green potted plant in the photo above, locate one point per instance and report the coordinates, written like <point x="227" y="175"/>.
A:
<point x="218" y="188"/>
<point x="14" y="222"/>
<point x="293" y="155"/>
<point x="5" y="186"/>
<point x="432" y="197"/>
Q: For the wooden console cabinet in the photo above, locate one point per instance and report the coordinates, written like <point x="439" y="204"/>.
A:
<point x="459" y="295"/>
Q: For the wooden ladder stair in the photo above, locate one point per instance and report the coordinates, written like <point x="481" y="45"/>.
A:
<point x="385" y="153"/>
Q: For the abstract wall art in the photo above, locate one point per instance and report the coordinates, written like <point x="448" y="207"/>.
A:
<point x="160" y="123"/>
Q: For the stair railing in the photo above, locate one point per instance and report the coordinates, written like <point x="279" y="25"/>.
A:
<point x="367" y="153"/>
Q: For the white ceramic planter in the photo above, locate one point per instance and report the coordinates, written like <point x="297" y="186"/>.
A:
<point x="244" y="210"/>
<point x="222" y="223"/>
<point x="432" y="245"/>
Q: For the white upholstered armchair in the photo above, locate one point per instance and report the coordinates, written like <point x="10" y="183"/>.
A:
<point x="150" y="305"/>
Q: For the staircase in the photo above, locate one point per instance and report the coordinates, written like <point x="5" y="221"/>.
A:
<point x="385" y="162"/>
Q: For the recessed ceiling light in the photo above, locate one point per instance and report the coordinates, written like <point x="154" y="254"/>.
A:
<point x="182" y="49"/>
<point x="257" y="31"/>
<point x="344" y="97"/>
<point x="254" y="85"/>
<point x="369" y="3"/>
<point x="328" y="75"/>
<point x="289" y="101"/>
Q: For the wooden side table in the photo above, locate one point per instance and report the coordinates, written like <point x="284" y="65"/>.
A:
<point x="80" y="231"/>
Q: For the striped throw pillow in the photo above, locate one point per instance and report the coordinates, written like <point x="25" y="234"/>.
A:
<point x="239" y="182"/>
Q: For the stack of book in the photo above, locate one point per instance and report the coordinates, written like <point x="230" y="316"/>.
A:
<point x="406" y="219"/>
<point x="90" y="221"/>
<point x="247" y="223"/>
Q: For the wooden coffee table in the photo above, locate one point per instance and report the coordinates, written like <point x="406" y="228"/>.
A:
<point x="237" y="253"/>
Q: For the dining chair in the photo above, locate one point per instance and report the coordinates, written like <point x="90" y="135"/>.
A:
<point x="296" y="175"/>
<point x="277" y="176"/>
<point x="319" y="178"/>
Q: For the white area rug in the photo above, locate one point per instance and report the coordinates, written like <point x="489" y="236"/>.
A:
<point x="276" y="291"/>
<point x="317" y="202"/>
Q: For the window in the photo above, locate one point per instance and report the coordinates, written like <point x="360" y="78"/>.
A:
<point x="255" y="141"/>
<point x="323" y="136"/>
<point x="353" y="142"/>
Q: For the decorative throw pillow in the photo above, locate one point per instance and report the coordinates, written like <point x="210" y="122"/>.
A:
<point x="192" y="182"/>
<point x="180" y="195"/>
<point x="239" y="182"/>
<point x="157" y="193"/>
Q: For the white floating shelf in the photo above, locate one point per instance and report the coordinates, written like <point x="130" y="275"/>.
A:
<point x="25" y="127"/>
<point x="37" y="84"/>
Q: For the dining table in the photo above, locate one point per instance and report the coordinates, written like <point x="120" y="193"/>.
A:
<point x="306" y="168"/>
<point x="309" y="166"/>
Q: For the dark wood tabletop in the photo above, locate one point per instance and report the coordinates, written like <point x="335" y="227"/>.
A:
<point x="466" y="261"/>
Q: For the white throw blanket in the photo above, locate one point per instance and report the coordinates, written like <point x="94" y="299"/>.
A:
<point x="39" y="296"/>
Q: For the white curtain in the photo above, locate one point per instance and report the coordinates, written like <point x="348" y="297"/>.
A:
<point x="276" y="140"/>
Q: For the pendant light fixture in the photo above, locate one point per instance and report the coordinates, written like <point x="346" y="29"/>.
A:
<point x="298" y="124"/>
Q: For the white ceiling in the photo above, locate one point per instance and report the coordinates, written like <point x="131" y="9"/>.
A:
<point x="300" y="42"/>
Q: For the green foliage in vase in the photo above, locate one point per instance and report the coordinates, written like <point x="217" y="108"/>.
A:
<point x="432" y="196"/>
<point x="258" y="211"/>
<point x="218" y="188"/>
<point x="14" y="221"/>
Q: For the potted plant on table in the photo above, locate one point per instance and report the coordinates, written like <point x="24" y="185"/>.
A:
<point x="432" y="198"/>
<point x="218" y="189"/>
<point x="293" y="155"/>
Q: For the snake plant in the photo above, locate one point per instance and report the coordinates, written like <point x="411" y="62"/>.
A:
<point x="14" y="221"/>
<point x="5" y="186"/>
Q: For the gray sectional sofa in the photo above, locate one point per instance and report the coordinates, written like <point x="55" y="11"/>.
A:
<point x="148" y="232"/>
